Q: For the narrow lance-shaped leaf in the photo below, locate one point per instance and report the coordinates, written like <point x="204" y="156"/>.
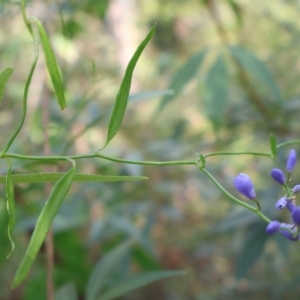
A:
<point x="182" y="76"/>
<point x="119" y="108"/>
<point x="51" y="64"/>
<point x="4" y="76"/>
<point x="66" y="292"/>
<point x="53" y="177"/>
<point x="259" y="73"/>
<point x="137" y="281"/>
<point x="273" y="145"/>
<point x="43" y="224"/>
<point x="252" y="249"/>
<point x="104" y="269"/>
<point x="11" y="207"/>
<point x="216" y="91"/>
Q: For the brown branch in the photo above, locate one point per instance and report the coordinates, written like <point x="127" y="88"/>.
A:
<point x="212" y="9"/>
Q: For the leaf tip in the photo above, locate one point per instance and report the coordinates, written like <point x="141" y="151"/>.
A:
<point x="16" y="282"/>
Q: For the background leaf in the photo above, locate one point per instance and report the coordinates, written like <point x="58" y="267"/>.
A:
<point x="4" y="76"/>
<point x="66" y="292"/>
<point x="104" y="269"/>
<point x="273" y="144"/>
<point x="51" y="64"/>
<point x="183" y="75"/>
<point x="52" y="177"/>
<point x="119" y="108"/>
<point x="44" y="222"/>
<point x="216" y="91"/>
<point x="258" y="72"/>
<point x="255" y="239"/>
<point x="137" y="281"/>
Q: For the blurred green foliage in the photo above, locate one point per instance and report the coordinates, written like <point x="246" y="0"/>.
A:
<point x="228" y="94"/>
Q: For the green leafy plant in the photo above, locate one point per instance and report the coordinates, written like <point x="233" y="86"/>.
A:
<point x="107" y="280"/>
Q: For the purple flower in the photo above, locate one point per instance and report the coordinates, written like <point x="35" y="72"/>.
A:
<point x="296" y="215"/>
<point x="289" y="231"/>
<point x="281" y="203"/>
<point x="273" y="227"/>
<point x="278" y="176"/>
<point x="296" y="189"/>
<point x="244" y="185"/>
<point x="291" y="161"/>
<point x="290" y="205"/>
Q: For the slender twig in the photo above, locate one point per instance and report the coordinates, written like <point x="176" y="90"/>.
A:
<point x="47" y="159"/>
<point x="288" y="143"/>
<point x="25" y="97"/>
<point x="237" y="153"/>
<point x="234" y="199"/>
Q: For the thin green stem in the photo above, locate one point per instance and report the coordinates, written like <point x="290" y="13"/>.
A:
<point x="157" y="163"/>
<point x="238" y="153"/>
<point x="25" y="97"/>
<point x="288" y="143"/>
<point x="232" y="198"/>
<point x="120" y="160"/>
<point x="25" y="19"/>
<point x="95" y="155"/>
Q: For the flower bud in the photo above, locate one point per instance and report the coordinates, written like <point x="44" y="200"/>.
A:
<point x="273" y="227"/>
<point x="281" y="203"/>
<point x="278" y="176"/>
<point x="291" y="161"/>
<point x="289" y="231"/>
<point x="244" y="185"/>
<point x="290" y="205"/>
<point x="296" y="189"/>
<point x="296" y="215"/>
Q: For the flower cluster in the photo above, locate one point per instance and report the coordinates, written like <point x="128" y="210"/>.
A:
<point x="244" y="185"/>
<point x="290" y="231"/>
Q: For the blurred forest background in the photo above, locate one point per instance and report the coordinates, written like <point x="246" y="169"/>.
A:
<point x="218" y="75"/>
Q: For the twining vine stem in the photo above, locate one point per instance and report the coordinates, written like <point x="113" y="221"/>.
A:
<point x="256" y="210"/>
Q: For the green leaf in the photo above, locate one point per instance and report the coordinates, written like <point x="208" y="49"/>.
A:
<point x="273" y="145"/>
<point x="4" y="76"/>
<point x="137" y="281"/>
<point x="44" y="222"/>
<point x="255" y="239"/>
<point x="104" y="269"/>
<point x="51" y="64"/>
<point x="66" y="292"/>
<point x="53" y="177"/>
<point x="258" y="72"/>
<point x="183" y="76"/>
<point x="216" y="91"/>
<point x="282" y="244"/>
<point x="11" y="207"/>
<point x="202" y="160"/>
<point x="119" y="108"/>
